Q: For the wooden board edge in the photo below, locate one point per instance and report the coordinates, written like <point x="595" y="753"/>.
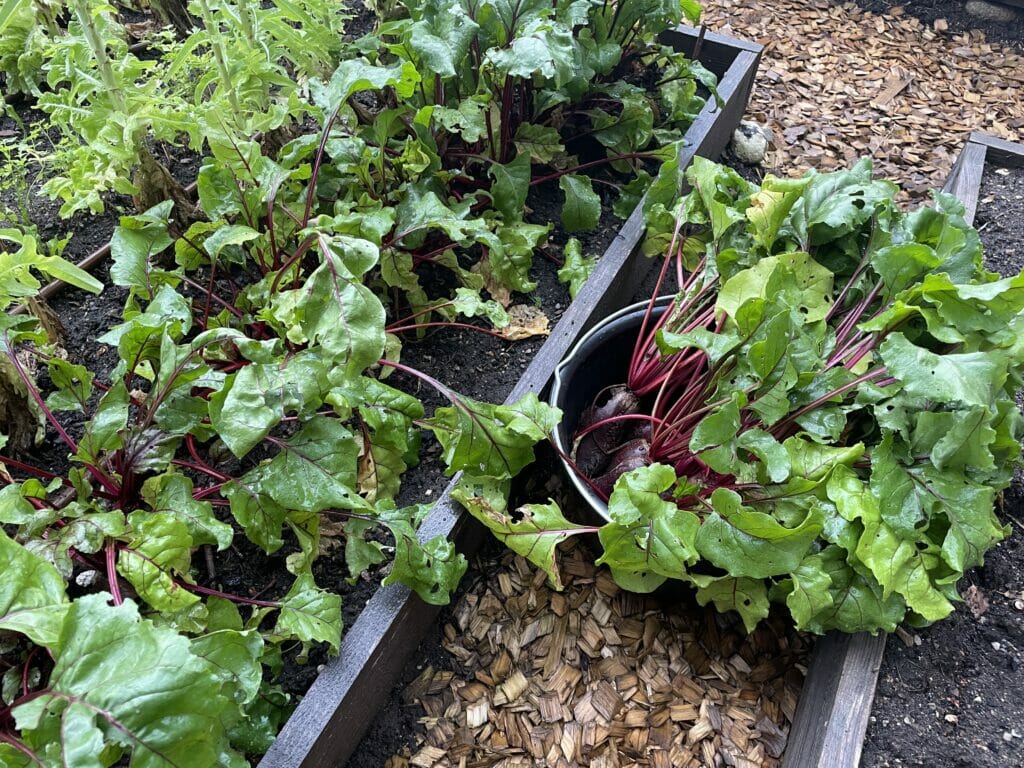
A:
<point x="1000" y="151"/>
<point x="835" y="703"/>
<point x="968" y="166"/>
<point x="1013" y="3"/>
<point x="684" y="36"/>
<point x="964" y="182"/>
<point x="328" y="725"/>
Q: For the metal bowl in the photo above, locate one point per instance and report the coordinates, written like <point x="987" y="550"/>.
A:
<point x="599" y="359"/>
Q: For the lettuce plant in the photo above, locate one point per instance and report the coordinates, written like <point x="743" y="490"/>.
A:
<point x="251" y="63"/>
<point x="242" y="71"/>
<point x="825" y="411"/>
<point x="110" y="104"/>
<point x="26" y="29"/>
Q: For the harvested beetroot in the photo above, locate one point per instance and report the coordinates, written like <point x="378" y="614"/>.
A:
<point x="595" y="446"/>
<point x="631" y="455"/>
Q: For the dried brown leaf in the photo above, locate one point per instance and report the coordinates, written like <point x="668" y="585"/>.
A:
<point x="524" y="322"/>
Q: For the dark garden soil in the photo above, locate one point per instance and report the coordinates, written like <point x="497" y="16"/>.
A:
<point x="1000" y="218"/>
<point x="956" y="16"/>
<point x="954" y="697"/>
<point x="362" y="19"/>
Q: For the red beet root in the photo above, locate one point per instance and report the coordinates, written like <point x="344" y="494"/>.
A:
<point x="632" y="455"/>
<point x="593" y="451"/>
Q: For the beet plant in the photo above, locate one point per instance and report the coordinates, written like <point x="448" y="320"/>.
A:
<point x="487" y="101"/>
<point x="249" y="398"/>
<point x="823" y="416"/>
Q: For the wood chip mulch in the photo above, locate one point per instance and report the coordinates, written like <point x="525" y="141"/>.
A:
<point x="595" y="676"/>
<point x="837" y="83"/>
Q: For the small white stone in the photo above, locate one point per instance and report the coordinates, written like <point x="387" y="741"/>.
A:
<point x="1007" y="736"/>
<point x="908" y="720"/>
<point x="996" y="646"/>
<point x="87" y="578"/>
<point x="977" y="699"/>
<point x="951" y="718"/>
<point x="749" y="142"/>
<point x="991" y="11"/>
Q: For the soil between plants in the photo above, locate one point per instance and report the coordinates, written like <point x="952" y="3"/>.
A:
<point x="957" y="699"/>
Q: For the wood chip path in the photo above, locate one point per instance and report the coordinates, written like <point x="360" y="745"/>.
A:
<point x="837" y="83"/>
<point x="594" y="676"/>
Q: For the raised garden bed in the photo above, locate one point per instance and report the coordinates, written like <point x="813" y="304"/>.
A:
<point x="833" y="712"/>
<point x="951" y="694"/>
<point x="343" y="701"/>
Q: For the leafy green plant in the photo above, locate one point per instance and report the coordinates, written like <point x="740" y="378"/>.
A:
<point x="21" y="264"/>
<point x="26" y="30"/>
<point x="259" y="410"/>
<point x="424" y="185"/>
<point x="112" y="104"/>
<point x="530" y="60"/>
<point x="241" y="72"/>
<point x="825" y="413"/>
<point x="437" y="141"/>
<point x="251" y="62"/>
<point x="506" y="86"/>
<point x="21" y="260"/>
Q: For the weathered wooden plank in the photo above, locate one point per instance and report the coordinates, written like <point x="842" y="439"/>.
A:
<point x="331" y="720"/>
<point x="717" y="52"/>
<point x="835" y="703"/>
<point x="832" y="716"/>
<point x="1008" y="154"/>
<point x="965" y="179"/>
<point x="684" y="38"/>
